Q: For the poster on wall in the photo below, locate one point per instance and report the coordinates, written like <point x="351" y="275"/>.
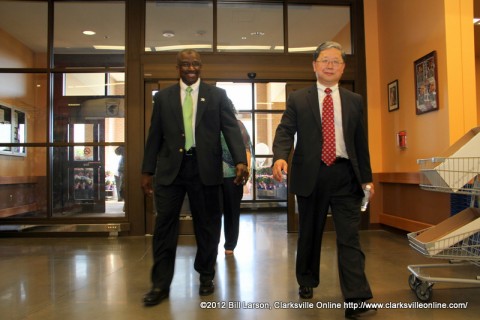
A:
<point x="426" y="83"/>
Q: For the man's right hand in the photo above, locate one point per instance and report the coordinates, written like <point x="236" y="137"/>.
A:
<point x="147" y="184"/>
<point x="279" y="168"/>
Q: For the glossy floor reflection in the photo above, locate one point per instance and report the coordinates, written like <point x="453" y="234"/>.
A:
<point x="101" y="278"/>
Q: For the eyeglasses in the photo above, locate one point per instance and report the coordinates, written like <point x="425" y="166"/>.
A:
<point x="186" y="65"/>
<point x="325" y="62"/>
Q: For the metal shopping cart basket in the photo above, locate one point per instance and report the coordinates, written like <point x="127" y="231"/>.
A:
<point x="461" y="244"/>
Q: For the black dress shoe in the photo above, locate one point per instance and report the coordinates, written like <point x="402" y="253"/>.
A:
<point x="206" y="288"/>
<point x="155" y="296"/>
<point x="358" y="309"/>
<point x="305" y="292"/>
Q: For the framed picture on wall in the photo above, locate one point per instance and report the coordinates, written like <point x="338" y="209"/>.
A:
<point x="426" y="83"/>
<point x="393" y="103"/>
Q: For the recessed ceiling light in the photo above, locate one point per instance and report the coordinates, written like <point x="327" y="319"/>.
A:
<point x="169" y="34"/>
<point x="226" y="48"/>
<point x="300" y="49"/>
<point x="184" y="46"/>
<point x="257" y="33"/>
<point x="101" y="47"/>
<point x="89" y="33"/>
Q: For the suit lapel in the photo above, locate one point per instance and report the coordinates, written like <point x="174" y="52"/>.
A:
<point x="203" y="98"/>
<point x="312" y="99"/>
<point x="346" y="115"/>
<point x="177" y="105"/>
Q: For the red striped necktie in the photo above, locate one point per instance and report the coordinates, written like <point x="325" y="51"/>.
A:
<point x="329" y="153"/>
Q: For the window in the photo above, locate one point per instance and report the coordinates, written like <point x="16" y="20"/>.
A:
<point x="13" y="129"/>
<point x="89" y="111"/>
<point x="177" y="25"/>
<point x="83" y="28"/>
<point x="251" y="27"/>
<point x="87" y="97"/>
<point x="260" y="107"/>
<point x="310" y="25"/>
<point x="23" y="34"/>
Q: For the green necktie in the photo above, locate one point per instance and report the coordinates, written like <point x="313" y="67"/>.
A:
<point x="187" y="118"/>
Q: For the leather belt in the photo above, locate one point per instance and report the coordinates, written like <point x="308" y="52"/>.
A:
<point x="338" y="160"/>
<point x="190" y="153"/>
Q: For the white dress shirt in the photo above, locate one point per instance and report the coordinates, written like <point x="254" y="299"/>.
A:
<point x="194" y="94"/>
<point x="341" y="149"/>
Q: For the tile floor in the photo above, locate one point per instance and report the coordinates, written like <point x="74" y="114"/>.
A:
<point x="105" y="278"/>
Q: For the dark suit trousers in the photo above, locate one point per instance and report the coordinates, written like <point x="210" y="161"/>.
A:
<point x="232" y="196"/>
<point x="336" y="187"/>
<point x="207" y="219"/>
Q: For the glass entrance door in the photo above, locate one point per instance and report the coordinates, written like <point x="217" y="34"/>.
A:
<point x="88" y="159"/>
<point x="79" y="171"/>
<point x="85" y="163"/>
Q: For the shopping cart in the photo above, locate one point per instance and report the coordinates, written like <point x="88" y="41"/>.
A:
<point x="461" y="247"/>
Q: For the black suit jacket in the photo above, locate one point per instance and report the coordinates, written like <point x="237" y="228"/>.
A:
<point x="164" y="149"/>
<point x="302" y="116"/>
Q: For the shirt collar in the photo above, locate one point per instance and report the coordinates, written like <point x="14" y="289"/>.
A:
<point x="322" y="88"/>
<point x="194" y="86"/>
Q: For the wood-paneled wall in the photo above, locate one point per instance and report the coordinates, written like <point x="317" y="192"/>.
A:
<point x="20" y="195"/>
<point x="400" y="202"/>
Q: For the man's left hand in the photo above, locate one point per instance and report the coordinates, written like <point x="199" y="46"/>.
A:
<point x="372" y="189"/>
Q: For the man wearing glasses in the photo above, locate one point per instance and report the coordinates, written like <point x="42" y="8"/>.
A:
<point x="183" y="154"/>
<point x="329" y="168"/>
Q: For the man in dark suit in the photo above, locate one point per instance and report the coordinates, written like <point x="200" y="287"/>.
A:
<point x="183" y="154"/>
<point x="321" y="179"/>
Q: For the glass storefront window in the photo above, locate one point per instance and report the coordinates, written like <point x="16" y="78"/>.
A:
<point x="270" y="96"/>
<point x="84" y="84"/>
<point x="116" y="84"/>
<point x="23" y="120"/>
<point x="23" y="110"/>
<point x="88" y="181"/>
<point x="265" y="127"/>
<point x="268" y="188"/>
<point x="250" y="27"/>
<point x="317" y="24"/>
<point x="94" y="84"/>
<point x="244" y="27"/>
<point x="85" y="99"/>
<point x="261" y="121"/>
<point x="88" y="177"/>
<point x="13" y="129"/>
<point x="23" y="34"/>
<point x="81" y="28"/>
<point x="23" y="184"/>
<point x="246" y="119"/>
<point x="240" y="94"/>
<point x="177" y="25"/>
<point x="83" y="121"/>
